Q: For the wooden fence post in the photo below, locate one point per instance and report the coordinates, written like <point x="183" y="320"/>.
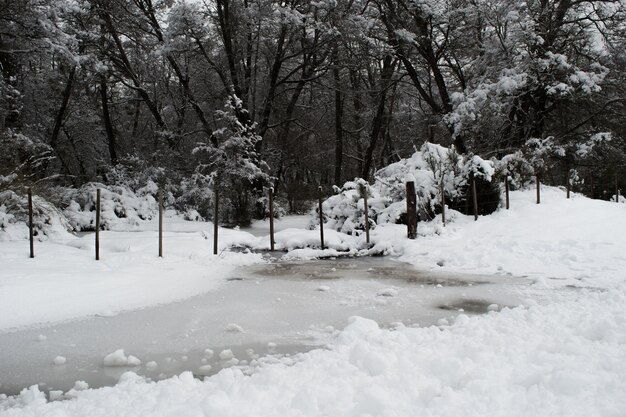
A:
<point x="616" y="190"/>
<point x="31" y="232"/>
<point x="411" y="210"/>
<point x="568" y="185"/>
<point x="506" y="192"/>
<point x="538" y="189"/>
<point x="160" y="224"/>
<point x="443" y="204"/>
<point x="216" y="194"/>
<point x="271" y="198"/>
<point x="475" y="199"/>
<point x="365" y="211"/>
<point x="591" y="186"/>
<point x="98" y="224"/>
<point x="321" y="213"/>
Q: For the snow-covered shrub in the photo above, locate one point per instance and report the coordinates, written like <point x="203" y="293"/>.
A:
<point x="47" y="219"/>
<point x="262" y="208"/>
<point x="432" y="168"/>
<point x="195" y="194"/>
<point x="516" y="168"/>
<point x="540" y="153"/>
<point x="136" y="174"/>
<point x="120" y="208"/>
<point x="344" y="211"/>
<point x="621" y="200"/>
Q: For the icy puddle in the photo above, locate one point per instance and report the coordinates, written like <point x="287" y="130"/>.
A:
<point x="276" y="309"/>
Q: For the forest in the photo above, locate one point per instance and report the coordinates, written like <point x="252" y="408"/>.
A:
<point x="189" y="95"/>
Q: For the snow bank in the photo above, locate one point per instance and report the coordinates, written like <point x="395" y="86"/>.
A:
<point x="565" y="358"/>
<point x="64" y="281"/>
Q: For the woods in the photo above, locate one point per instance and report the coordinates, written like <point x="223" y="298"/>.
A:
<point x="296" y="94"/>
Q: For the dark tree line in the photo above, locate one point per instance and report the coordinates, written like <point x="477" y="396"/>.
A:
<point x="324" y="91"/>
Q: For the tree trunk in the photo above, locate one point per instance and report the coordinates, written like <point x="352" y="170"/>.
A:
<point x="65" y="99"/>
<point x="108" y="124"/>
<point x="377" y="125"/>
<point x="338" y="119"/>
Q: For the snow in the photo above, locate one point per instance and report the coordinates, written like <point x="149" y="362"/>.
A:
<point x="560" y="353"/>
<point x="119" y="358"/>
<point x="205" y="369"/>
<point x="59" y="360"/>
<point x="226" y="354"/>
<point x="64" y="282"/>
<point x="234" y="328"/>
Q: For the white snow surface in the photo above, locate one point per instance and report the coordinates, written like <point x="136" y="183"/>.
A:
<point x="119" y="358"/>
<point x="562" y="353"/>
<point x="64" y="281"/>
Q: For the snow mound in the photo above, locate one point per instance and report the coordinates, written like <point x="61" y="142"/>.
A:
<point x="119" y="358"/>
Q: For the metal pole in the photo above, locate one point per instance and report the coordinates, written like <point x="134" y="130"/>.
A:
<point x="506" y="191"/>
<point x="321" y="216"/>
<point x="160" y="224"/>
<point x="215" y="217"/>
<point x="271" y="219"/>
<point x="367" y="219"/>
<point x="31" y="232"/>
<point x="411" y="210"/>
<point x="475" y="198"/>
<point x="98" y="224"/>
<point x="538" y="189"/>
<point x="443" y="205"/>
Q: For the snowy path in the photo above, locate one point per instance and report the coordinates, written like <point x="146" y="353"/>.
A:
<point x="292" y="304"/>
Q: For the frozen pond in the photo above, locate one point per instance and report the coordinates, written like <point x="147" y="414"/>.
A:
<point x="278" y="308"/>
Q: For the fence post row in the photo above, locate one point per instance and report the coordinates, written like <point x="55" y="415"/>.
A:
<point x="271" y="203"/>
<point x="98" y="224"/>
<point x="31" y="232"/>
<point x="411" y="210"/>
<point x="321" y="213"/>
<point x="474" y="198"/>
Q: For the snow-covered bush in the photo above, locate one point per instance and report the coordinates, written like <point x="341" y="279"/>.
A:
<point x="516" y="168"/>
<point x="262" y="208"/>
<point x="136" y="174"/>
<point x="194" y="195"/>
<point x="432" y="168"/>
<point x="540" y="153"/>
<point x="120" y="208"/>
<point x="344" y="211"/>
<point x="47" y="219"/>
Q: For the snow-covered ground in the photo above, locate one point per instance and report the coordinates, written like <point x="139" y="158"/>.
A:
<point x="561" y="353"/>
